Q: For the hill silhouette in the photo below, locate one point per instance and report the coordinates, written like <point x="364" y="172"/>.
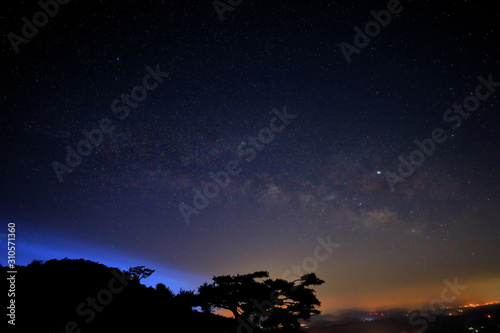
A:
<point x="84" y="296"/>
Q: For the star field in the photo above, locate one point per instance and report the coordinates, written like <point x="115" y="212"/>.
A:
<point x="324" y="174"/>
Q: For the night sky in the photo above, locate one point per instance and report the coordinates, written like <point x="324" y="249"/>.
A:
<point x="312" y="127"/>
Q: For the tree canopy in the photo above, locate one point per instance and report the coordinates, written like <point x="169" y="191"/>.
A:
<point x="139" y="272"/>
<point x="260" y="301"/>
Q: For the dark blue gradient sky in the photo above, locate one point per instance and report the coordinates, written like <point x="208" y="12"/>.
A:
<point x="323" y="175"/>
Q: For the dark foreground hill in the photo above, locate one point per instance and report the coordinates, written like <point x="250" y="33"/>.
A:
<point x="78" y="296"/>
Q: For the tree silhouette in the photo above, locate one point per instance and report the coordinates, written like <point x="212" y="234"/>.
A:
<point x="91" y="297"/>
<point x="164" y="291"/>
<point x="294" y="301"/>
<point x="267" y="304"/>
<point x="139" y="272"/>
<point x="234" y="293"/>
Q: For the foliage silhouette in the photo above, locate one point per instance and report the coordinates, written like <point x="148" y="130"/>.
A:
<point x="267" y="304"/>
<point x="140" y="272"/>
<point x="83" y="296"/>
<point x="50" y="296"/>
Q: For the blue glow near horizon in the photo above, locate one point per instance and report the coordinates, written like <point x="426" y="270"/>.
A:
<point x="42" y="246"/>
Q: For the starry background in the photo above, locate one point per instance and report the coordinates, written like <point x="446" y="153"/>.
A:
<point x="323" y="175"/>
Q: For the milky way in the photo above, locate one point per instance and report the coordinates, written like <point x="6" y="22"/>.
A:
<point x="323" y="173"/>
